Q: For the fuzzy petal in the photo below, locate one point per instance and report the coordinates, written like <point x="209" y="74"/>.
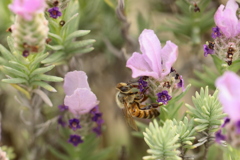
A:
<point x="229" y="91"/>
<point x="227" y="20"/>
<point x="169" y="55"/>
<point x="151" y="47"/>
<point x="74" y="80"/>
<point x="139" y="66"/>
<point x="81" y="101"/>
<point x="27" y="8"/>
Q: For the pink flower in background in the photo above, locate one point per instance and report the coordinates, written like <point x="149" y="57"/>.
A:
<point x="79" y="97"/>
<point x="229" y="91"/>
<point x="27" y="8"/>
<point x="154" y="61"/>
<point x="226" y="19"/>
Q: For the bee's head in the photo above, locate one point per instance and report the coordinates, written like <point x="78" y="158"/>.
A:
<point x="123" y="87"/>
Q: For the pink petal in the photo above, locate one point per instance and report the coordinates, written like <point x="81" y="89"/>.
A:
<point x="169" y="55"/>
<point x="151" y="48"/>
<point x="81" y="101"/>
<point x="74" y="80"/>
<point x="227" y="20"/>
<point x="139" y="66"/>
<point x="229" y="91"/>
<point x="27" y="8"/>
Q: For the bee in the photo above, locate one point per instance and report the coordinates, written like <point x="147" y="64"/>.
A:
<point x="129" y="99"/>
<point x="230" y="55"/>
<point x="211" y="45"/>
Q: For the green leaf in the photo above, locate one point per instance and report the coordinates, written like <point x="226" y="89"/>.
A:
<point x="76" y="34"/>
<point x="42" y="70"/>
<point x="80" y="44"/>
<point x="44" y="85"/>
<point x="55" y="57"/>
<point x="6" y="54"/>
<point x="47" y="78"/>
<point x="15" y="72"/>
<point x="55" y="37"/>
<point x="14" y="80"/>
<point x="55" y="48"/>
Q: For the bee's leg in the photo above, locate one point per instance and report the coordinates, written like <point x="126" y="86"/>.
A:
<point x="147" y="107"/>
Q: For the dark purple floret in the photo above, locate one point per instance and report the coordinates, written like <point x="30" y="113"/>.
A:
<point x="75" y="140"/>
<point x="61" y="122"/>
<point x="142" y="84"/>
<point x="74" y="124"/>
<point x="226" y="121"/>
<point x="25" y="53"/>
<point x="163" y="97"/>
<point x="62" y="107"/>
<point x="97" y="130"/>
<point x="215" y="32"/>
<point x="95" y="110"/>
<point x="54" y="12"/>
<point x="181" y="83"/>
<point x="207" y="50"/>
<point x="219" y="136"/>
<point x="238" y="127"/>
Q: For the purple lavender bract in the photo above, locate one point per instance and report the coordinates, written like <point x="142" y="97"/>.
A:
<point x="75" y="140"/>
<point x="62" y="107"/>
<point x="219" y="136"/>
<point x="74" y="124"/>
<point x="142" y="84"/>
<point x="163" y="97"/>
<point x="54" y="12"/>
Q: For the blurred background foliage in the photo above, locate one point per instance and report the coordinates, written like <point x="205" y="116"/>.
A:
<point x="116" y="32"/>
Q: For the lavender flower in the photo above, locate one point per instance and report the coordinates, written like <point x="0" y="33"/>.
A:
<point x="216" y="32"/>
<point x="79" y="97"/>
<point x="75" y="140"/>
<point x="54" y="12"/>
<point x="181" y="83"/>
<point x="226" y="19"/>
<point x="142" y="84"/>
<point x="61" y="122"/>
<point x="219" y="136"/>
<point x="163" y="97"/>
<point x="155" y="61"/>
<point x="74" y="124"/>
<point x="27" y="8"/>
<point x="62" y="107"/>
<point x="97" y="130"/>
<point x="207" y="50"/>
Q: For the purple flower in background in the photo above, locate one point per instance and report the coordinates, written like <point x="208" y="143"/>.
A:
<point x="229" y="90"/>
<point x="61" y="122"/>
<point x="226" y="121"/>
<point x="154" y="61"/>
<point x="75" y="140"/>
<point x="27" y="8"/>
<point x="163" y="97"/>
<point x="97" y="130"/>
<point x="216" y="32"/>
<point x="207" y="50"/>
<point x="74" y="124"/>
<point x="226" y="19"/>
<point x="142" y="84"/>
<point x="54" y="12"/>
<point x="62" y="107"/>
<point x="79" y="97"/>
<point x="219" y="136"/>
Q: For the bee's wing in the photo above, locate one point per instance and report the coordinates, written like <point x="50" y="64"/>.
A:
<point x="129" y="118"/>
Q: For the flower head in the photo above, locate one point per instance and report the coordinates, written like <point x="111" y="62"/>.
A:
<point x="226" y="19"/>
<point x="74" y="124"/>
<point x="27" y="8"/>
<point x="54" y="12"/>
<point x="216" y="32"/>
<point x="163" y="97"/>
<point x="207" y="50"/>
<point x="97" y="130"/>
<point x="79" y="97"/>
<point x="154" y="61"/>
<point x="229" y="90"/>
<point x="75" y="140"/>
